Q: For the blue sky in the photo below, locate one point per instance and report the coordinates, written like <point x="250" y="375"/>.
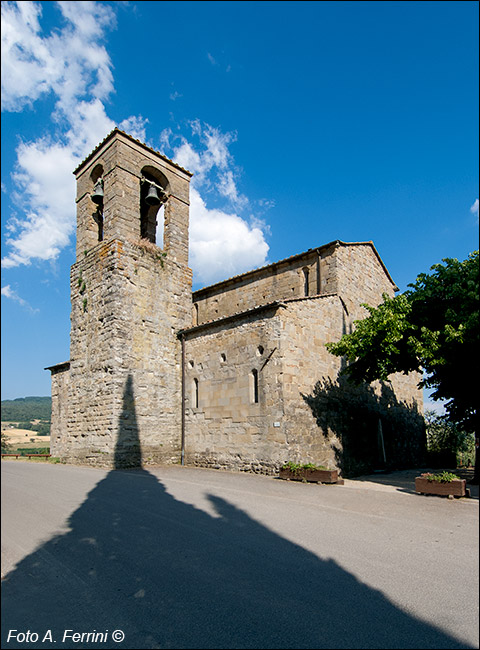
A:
<point x="303" y="122"/>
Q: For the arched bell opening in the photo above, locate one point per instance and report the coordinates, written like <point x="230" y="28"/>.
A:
<point x="97" y="198"/>
<point x="306" y="281"/>
<point x="153" y="196"/>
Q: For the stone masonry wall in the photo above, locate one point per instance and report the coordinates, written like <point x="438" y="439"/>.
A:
<point x="129" y="298"/>
<point x="227" y="429"/>
<point x="121" y="162"/>
<point x="261" y="388"/>
<point x="306" y="326"/>
<point x="124" y="389"/>
<point x="331" y="422"/>
<point x="277" y="282"/>
<point x="60" y="383"/>
<point x="361" y="278"/>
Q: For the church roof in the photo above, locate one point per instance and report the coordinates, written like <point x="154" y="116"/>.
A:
<point x="248" y="274"/>
<point x="116" y="131"/>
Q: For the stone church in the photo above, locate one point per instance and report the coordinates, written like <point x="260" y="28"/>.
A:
<point x="235" y="375"/>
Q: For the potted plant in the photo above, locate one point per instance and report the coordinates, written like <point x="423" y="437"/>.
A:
<point x="309" y="472"/>
<point x="441" y="483"/>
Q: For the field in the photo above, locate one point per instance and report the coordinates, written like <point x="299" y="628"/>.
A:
<point x="22" y="438"/>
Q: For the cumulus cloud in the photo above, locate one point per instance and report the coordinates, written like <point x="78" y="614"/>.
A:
<point x="135" y="126"/>
<point x="210" y="161"/>
<point x="72" y="65"/>
<point x="474" y="208"/>
<point x="75" y="68"/>
<point x="223" y="242"/>
<point x="68" y="63"/>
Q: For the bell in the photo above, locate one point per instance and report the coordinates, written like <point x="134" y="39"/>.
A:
<point x="97" y="194"/>
<point x="152" y="197"/>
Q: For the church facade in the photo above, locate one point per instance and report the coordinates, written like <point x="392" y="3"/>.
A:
<point x="233" y="376"/>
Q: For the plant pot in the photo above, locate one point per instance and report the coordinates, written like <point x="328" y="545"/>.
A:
<point x="456" y="488"/>
<point x="311" y="475"/>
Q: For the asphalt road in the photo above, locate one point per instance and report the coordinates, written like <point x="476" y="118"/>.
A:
<point x="189" y="558"/>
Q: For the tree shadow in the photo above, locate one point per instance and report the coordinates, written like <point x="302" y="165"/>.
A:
<point x="173" y="576"/>
<point x="374" y="431"/>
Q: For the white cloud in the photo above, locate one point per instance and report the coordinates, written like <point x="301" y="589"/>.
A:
<point x="222" y="244"/>
<point x="474" y="208"/>
<point x="8" y="292"/>
<point x="187" y="157"/>
<point x="135" y="126"/>
<point x="69" y="62"/>
<point x="45" y="187"/>
<point x="73" y="65"/>
<point x="210" y="162"/>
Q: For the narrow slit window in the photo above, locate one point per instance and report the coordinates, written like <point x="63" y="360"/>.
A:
<point x="195" y="393"/>
<point x="254" y="386"/>
<point x="306" y="274"/>
<point x="100" y="224"/>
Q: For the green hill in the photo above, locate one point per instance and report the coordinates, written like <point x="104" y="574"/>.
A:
<point x="25" y="409"/>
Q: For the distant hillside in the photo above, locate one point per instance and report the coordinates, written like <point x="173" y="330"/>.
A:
<point x="25" y="409"/>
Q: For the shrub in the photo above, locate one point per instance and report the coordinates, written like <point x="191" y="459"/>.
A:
<point x="441" y="477"/>
<point x="296" y="468"/>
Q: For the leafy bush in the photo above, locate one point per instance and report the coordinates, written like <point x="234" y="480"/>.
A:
<point x="296" y="468"/>
<point x="5" y="444"/>
<point x="24" y="451"/>
<point x="448" y="443"/>
<point x="441" y="477"/>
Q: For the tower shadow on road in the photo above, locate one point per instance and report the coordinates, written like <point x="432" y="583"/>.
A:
<point x="170" y="575"/>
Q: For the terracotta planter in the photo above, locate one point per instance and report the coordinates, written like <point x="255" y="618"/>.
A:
<point x="311" y="475"/>
<point x="455" y="488"/>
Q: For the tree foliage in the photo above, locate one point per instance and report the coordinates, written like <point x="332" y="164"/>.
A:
<point x="26" y="409"/>
<point x="4" y="440"/>
<point x="445" y="437"/>
<point x="433" y="328"/>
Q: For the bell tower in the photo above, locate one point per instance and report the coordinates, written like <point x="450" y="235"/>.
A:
<point x="129" y="298"/>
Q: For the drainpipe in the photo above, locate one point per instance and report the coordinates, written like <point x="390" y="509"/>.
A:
<point x="182" y="457"/>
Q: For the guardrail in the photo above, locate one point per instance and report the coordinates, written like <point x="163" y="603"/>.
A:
<point x="28" y="455"/>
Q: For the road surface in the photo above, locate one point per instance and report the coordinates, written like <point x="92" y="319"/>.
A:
<point x="179" y="557"/>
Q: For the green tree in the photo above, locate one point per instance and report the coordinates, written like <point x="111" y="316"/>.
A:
<point x="445" y="437"/>
<point x="5" y="444"/>
<point x="433" y="328"/>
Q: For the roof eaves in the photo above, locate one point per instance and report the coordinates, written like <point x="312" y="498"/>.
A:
<point x="59" y="366"/>
<point x="247" y="274"/>
<point x="117" y="130"/>
<point x="232" y="317"/>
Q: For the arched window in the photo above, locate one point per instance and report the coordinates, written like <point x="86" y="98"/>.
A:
<point x="160" y="217"/>
<point x="306" y="288"/>
<point x="96" y="196"/>
<point x="153" y="194"/>
<point x="254" y="386"/>
<point x="195" y="393"/>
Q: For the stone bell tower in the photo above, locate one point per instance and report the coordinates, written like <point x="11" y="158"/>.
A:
<point x="130" y="294"/>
